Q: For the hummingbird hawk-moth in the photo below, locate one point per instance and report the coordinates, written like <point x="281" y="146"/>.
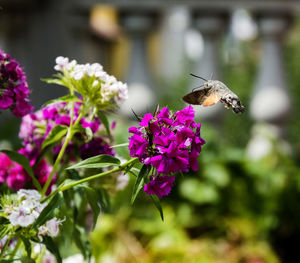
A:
<point x="212" y="92"/>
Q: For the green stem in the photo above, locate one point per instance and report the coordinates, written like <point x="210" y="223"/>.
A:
<point x="19" y="242"/>
<point x="61" y="153"/>
<point x="3" y="249"/>
<point x="120" y="168"/>
<point x="41" y="255"/>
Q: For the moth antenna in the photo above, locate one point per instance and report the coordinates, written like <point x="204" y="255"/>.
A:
<point x="197" y="88"/>
<point x="211" y="75"/>
<point x="136" y="116"/>
<point x="198" y="77"/>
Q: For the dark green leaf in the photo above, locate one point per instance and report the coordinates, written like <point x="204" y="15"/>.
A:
<point x="105" y="122"/>
<point x="81" y="241"/>
<point x="27" y="246"/>
<point x="55" y="135"/>
<point x="26" y="260"/>
<point x="103" y="199"/>
<point x="98" y="161"/>
<point x="157" y="204"/>
<point x="51" y="246"/>
<point x="93" y="199"/>
<point x="48" y="212"/>
<point x="140" y="181"/>
<point x="22" y="160"/>
<point x="66" y="98"/>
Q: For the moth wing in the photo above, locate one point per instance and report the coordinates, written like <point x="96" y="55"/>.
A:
<point x="196" y="97"/>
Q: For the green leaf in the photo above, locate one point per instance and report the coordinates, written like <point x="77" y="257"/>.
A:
<point x="157" y="204"/>
<point x="55" y="135"/>
<point x="48" y="211"/>
<point x="51" y="246"/>
<point x="26" y="260"/>
<point x="87" y="131"/>
<point x="22" y="160"/>
<point x="27" y="246"/>
<point x="93" y="199"/>
<point x="140" y="181"/>
<point x="98" y="161"/>
<point x="105" y="122"/>
<point x="54" y="81"/>
<point x="81" y="241"/>
<point x="67" y="98"/>
<point x="104" y="199"/>
<point x="89" y="134"/>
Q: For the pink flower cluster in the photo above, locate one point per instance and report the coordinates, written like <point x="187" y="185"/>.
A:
<point x="16" y="177"/>
<point x="35" y="127"/>
<point x="168" y="142"/>
<point x="14" y="90"/>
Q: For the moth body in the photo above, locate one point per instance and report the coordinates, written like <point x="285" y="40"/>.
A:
<point x="212" y="92"/>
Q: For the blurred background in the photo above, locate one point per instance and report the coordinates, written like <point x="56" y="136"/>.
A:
<point x="243" y="203"/>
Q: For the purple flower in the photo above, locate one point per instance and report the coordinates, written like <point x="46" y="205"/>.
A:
<point x="169" y="142"/>
<point x="35" y="128"/>
<point x="95" y="147"/>
<point x="16" y="177"/>
<point x="5" y="164"/>
<point x="14" y="90"/>
<point x="160" y="185"/>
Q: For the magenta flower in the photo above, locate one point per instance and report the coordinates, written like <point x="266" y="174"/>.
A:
<point x="36" y="126"/>
<point x="14" y="91"/>
<point x="5" y="164"/>
<point x="168" y="142"/>
<point x="16" y="177"/>
<point x="160" y="185"/>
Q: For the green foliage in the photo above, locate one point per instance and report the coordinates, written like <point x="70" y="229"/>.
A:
<point x="49" y="211"/>
<point x="105" y="122"/>
<point x="98" y="161"/>
<point x="67" y="98"/>
<point x="55" y="135"/>
<point x="140" y="181"/>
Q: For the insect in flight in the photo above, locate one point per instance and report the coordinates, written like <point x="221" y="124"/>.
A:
<point x="211" y="92"/>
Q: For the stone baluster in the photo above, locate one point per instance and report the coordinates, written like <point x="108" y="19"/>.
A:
<point x="175" y="22"/>
<point x="271" y="102"/>
<point x="270" y="105"/>
<point x="140" y="87"/>
<point x="210" y="26"/>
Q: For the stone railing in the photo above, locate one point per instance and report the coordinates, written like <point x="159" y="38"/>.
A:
<point x="270" y="98"/>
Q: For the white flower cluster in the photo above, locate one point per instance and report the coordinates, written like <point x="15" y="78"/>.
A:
<point x="110" y="87"/>
<point x="27" y="209"/>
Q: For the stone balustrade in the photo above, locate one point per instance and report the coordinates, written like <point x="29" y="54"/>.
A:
<point x="270" y="101"/>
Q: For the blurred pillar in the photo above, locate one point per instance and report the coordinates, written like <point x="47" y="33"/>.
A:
<point x="141" y="95"/>
<point x="271" y="102"/>
<point x="175" y="22"/>
<point x="270" y="105"/>
<point x="210" y="26"/>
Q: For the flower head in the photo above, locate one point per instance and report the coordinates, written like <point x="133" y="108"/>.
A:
<point x="97" y="88"/>
<point x="26" y="208"/>
<point x="16" y="177"/>
<point x="14" y="89"/>
<point x="160" y="185"/>
<point x="168" y="142"/>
